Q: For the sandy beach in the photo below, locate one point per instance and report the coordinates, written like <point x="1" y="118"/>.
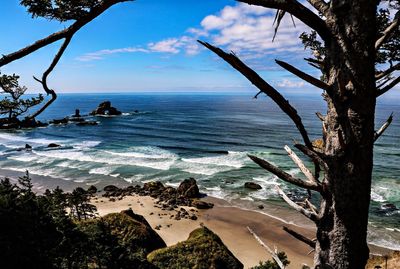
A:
<point x="228" y="222"/>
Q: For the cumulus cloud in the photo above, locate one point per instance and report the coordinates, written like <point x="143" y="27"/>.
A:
<point x="247" y="30"/>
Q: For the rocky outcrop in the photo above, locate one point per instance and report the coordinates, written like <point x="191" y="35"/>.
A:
<point x="105" y="108"/>
<point x="203" y="249"/>
<point x="202" y="204"/>
<point x="188" y="188"/>
<point x="53" y="145"/>
<point x="252" y="186"/>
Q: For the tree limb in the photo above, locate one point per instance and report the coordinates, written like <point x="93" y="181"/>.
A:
<point x="383" y="127"/>
<point x="312" y="154"/>
<point x="285" y="176"/>
<point x="310" y="79"/>
<point x="388" y="31"/>
<point x="299" y="11"/>
<point x="95" y="12"/>
<point x="262" y="85"/>
<point x="300" y="237"/>
<point x="273" y="254"/>
<point x="301" y="165"/>
<point x="388" y="87"/>
<point x="53" y="64"/>
<point x="386" y="72"/>
<point x="305" y="212"/>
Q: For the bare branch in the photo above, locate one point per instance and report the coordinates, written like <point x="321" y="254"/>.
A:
<point x="299" y="11"/>
<point x="388" y="87"/>
<point x="388" y="31"/>
<point x="312" y="154"/>
<point x="285" y="176"/>
<point x="262" y="85"/>
<point x="300" y="237"/>
<point x="311" y="206"/>
<point x="320" y="116"/>
<point x="95" y="12"/>
<point x="301" y="165"/>
<point x="388" y="71"/>
<point x="305" y="212"/>
<point x="53" y="64"/>
<point x="273" y="254"/>
<point x="383" y="127"/>
<point x="310" y="79"/>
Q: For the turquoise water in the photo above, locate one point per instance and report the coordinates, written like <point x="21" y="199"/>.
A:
<point x="208" y="137"/>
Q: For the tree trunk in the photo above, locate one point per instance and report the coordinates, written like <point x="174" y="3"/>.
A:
<point x="348" y="136"/>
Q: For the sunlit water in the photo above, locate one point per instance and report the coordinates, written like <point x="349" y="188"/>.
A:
<point x="207" y="137"/>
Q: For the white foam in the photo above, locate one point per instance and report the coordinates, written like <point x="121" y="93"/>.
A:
<point x="101" y="171"/>
<point x="232" y="159"/>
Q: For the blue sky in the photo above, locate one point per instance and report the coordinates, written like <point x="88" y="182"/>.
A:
<point x="151" y="46"/>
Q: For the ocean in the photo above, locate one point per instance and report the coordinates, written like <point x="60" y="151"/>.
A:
<point x="170" y="137"/>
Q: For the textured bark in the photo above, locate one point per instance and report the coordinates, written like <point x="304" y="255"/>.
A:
<point x="348" y="136"/>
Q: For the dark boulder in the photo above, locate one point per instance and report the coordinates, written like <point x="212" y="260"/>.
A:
<point x="202" y="204"/>
<point x="53" y="145"/>
<point x="188" y="188"/>
<point x="110" y="188"/>
<point x="105" y="108"/>
<point x="252" y="186"/>
<point x="28" y="147"/>
<point x="92" y="189"/>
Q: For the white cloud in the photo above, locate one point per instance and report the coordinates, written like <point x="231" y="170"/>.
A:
<point x="286" y="83"/>
<point x="247" y="30"/>
<point x="98" y="55"/>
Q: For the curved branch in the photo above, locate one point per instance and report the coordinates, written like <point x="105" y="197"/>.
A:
<point x="95" y="12"/>
<point x="263" y="86"/>
<point x="53" y="64"/>
<point x="299" y="11"/>
<point x="285" y="176"/>
<point x="312" y="154"/>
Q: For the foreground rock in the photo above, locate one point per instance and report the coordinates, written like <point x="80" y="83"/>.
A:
<point x="203" y="249"/>
<point x="105" y="108"/>
<point x="189" y="188"/>
<point x="132" y="236"/>
<point x="252" y="186"/>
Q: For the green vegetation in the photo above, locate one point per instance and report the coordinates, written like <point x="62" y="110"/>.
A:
<point x="203" y="249"/>
<point x="271" y="264"/>
<point x="57" y="230"/>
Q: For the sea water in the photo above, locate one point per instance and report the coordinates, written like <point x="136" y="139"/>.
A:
<point x="170" y="137"/>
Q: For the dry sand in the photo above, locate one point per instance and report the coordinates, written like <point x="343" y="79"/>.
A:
<point x="229" y="223"/>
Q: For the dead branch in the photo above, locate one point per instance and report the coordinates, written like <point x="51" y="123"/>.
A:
<point x="388" y="31"/>
<point x="273" y="254"/>
<point x="311" y="206"/>
<point x="310" y="79"/>
<point x="263" y="86"/>
<point x="388" y="87"/>
<point x="94" y="12"/>
<point x="388" y="71"/>
<point x="285" y="176"/>
<point x="312" y="154"/>
<point x="301" y="165"/>
<point x="300" y="237"/>
<point x="302" y="210"/>
<point x="320" y="116"/>
<point x="298" y="10"/>
<point x="383" y="127"/>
